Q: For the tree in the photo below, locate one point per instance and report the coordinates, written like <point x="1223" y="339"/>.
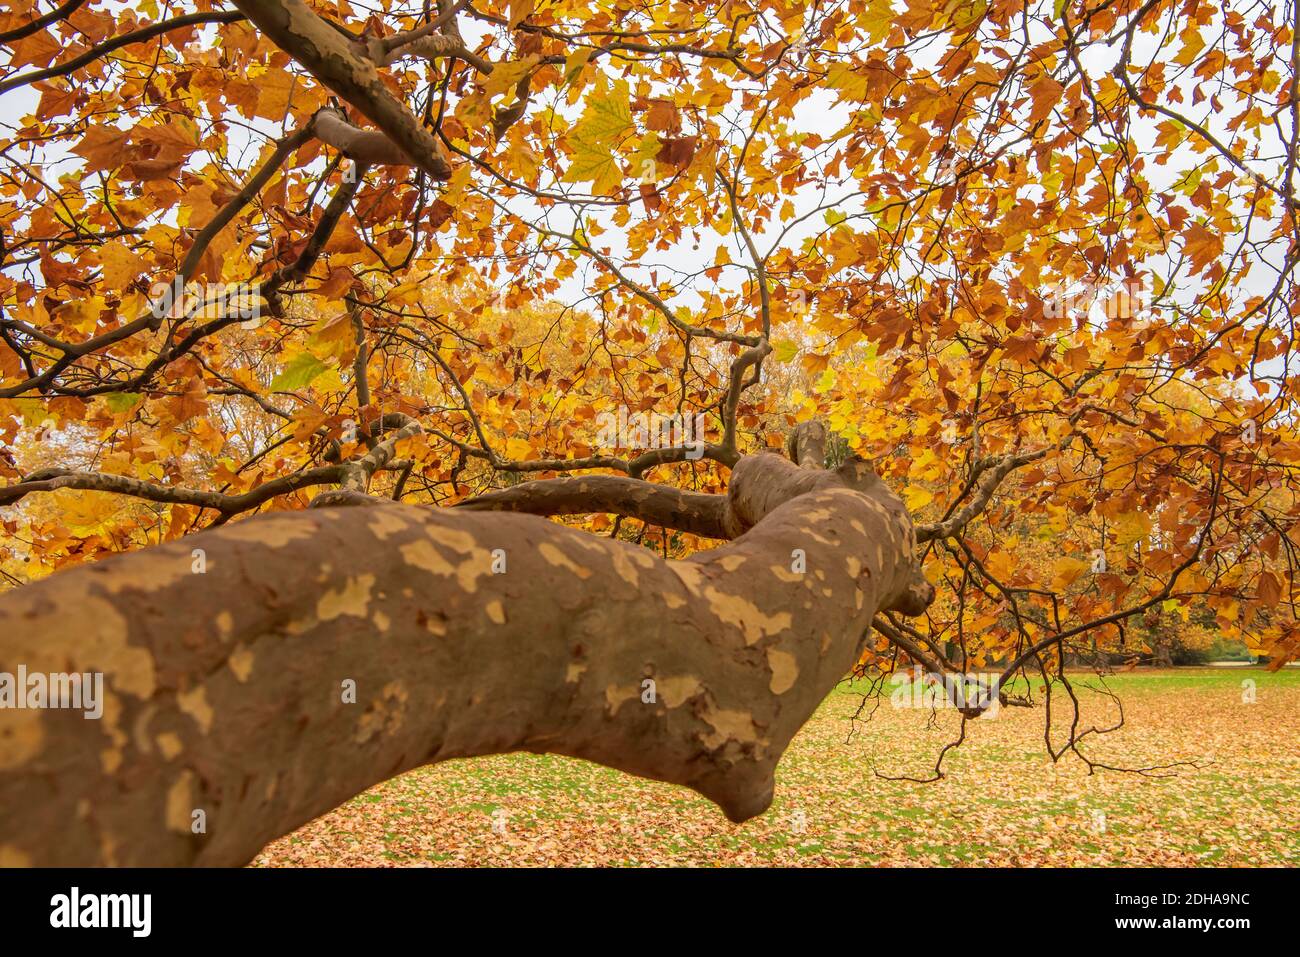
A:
<point x="446" y="271"/>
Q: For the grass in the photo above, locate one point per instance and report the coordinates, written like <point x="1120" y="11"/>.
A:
<point x="1001" y="803"/>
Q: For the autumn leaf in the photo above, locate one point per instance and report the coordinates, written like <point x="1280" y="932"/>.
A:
<point x="1038" y="279"/>
<point x="103" y="147"/>
<point x="1268" y="591"/>
<point x="123" y="401"/>
<point x="298" y="372"/>
<point x="597" y="136"/>
<point x="121" y="264"/>
<point x="275" y="89"/>
<point x="1202" y="245"/>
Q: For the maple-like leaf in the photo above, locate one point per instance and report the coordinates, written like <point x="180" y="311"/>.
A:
<point x="597" y="137"/>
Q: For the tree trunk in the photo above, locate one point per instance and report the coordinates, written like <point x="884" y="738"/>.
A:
<point x="466" y="633"/>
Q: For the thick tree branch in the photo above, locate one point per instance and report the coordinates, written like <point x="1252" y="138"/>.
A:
<point x="412" y="609"/>
<point x="335" y="62"/>
<point x="695" y="512"/>
<point x="363" y="147"/>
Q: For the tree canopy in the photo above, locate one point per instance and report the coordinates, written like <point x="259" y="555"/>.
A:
<point x="1032" y="261"/>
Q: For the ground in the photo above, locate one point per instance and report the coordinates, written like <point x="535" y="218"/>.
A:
<point x="1002" y="804"/>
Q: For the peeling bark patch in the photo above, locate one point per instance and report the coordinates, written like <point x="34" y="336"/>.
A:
<point x="385" y="715"/>
<point x="62" y="642"/>
<point x="753" y="623"/>
<point x="618" y="695"/>
<point x="625" y="567"/>
<point x="11" y="856"/>
<point x="152" y="571"/>
<point x="169" y="744"/>
<point x="496" y="612"/>
<point x="352" y="599"/>
<point x="784" y="668"/>
<point x="691" y="574"/>
<point x="678" y="689"/>
<point x="422" y="554"/>
<point x="387" y="522"/>
<point x="241" y="663"/>
<point x="180" y="803"/>
<point x="275" y="532"/>
<point x="195" y="704"/>
<point x="729" y="725"/>
<point x="455" y="539"/>
<point x="642" y="557"/>
<point x="434" y="624"/>
<point x="110" y="759"/>
<point x="557" y="558"/>
<point x="108" y="849"/>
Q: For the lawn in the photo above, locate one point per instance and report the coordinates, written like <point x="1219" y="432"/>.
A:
<point x="1002" y="803"/>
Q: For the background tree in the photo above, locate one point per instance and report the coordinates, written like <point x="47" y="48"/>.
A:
<point x="1032" y="262"/>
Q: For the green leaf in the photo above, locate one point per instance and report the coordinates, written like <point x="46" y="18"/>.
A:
<point x="298" y="372"/>
<point x="122" y="401"/>
<point x="596" y="137"/>
<point x="608" y="116"/>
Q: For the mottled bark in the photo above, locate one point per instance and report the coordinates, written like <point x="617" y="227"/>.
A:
<point x="224" y="689"/>
<point x="806" y="445"/>
<point x="685" y="511"/>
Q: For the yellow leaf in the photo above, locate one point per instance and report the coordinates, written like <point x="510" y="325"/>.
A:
<point x="519" y="10"/>
<point x="917" y="497"/>
<point x="575" y="61"/>
<point x="1068" y="571"/>
<point x="518" y="449"/>
<point x="275" y="88"/>
<point x="784" y="350"/>
<point x="506" y="76"/>
<point x="1132" y="527"/>
<point x="121" y="264"/>
<point x="596" y="137"/>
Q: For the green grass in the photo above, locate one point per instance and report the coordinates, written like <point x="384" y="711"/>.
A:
<point x="1001" y="802"/>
